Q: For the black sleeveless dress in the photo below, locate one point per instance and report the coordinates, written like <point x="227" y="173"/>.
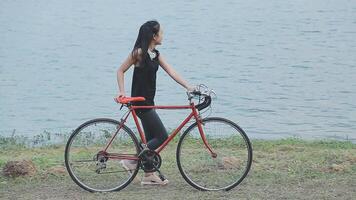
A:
<point x="144" y="81"/>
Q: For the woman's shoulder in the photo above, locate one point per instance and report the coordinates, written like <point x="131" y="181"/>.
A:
<point x="137" y="52"/>
<point x="137" y="56"/>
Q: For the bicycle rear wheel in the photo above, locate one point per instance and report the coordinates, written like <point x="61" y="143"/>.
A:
<point x="92" y="168"/>
<point x="232" y="163"/>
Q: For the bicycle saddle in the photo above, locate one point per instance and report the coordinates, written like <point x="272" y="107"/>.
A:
<point x="125" y="100"/>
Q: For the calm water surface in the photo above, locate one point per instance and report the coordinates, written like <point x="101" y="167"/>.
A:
<point x="279" y="68"/>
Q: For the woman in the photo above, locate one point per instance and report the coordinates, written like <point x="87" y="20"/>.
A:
<point x="146" y="60"/>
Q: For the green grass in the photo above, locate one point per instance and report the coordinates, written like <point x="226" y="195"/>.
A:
<point x="294" y="157"/>
<point x="285" y="164"/>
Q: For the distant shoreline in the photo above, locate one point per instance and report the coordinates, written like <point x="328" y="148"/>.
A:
<point x="47" y="139"/>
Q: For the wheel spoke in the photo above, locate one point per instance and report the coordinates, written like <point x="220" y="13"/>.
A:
<point x="80" y="161"/>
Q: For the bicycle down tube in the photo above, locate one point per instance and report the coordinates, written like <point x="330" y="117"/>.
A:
<point x="194" y="114"/>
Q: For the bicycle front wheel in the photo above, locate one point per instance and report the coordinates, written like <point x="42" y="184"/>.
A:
<point x="233" y="155"/>
<point x="97" y="170"/>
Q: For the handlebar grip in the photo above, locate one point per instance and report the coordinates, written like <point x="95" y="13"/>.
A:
<point x="196" y="93"/>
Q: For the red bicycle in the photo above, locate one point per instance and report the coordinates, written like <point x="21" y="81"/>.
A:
<point x="212" y="154"/>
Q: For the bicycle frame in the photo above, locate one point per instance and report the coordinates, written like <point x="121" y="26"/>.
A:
<point x="132" y="109"/>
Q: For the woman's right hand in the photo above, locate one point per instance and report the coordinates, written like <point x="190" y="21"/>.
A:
<point x="119" y="95"/>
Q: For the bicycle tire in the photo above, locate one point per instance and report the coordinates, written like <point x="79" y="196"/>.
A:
<point x="197" y="155"/>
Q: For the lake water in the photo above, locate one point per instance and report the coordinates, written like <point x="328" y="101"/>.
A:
<point x="279" y="68"/>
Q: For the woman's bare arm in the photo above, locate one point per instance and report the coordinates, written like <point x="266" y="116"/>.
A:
<point x="172" y="73"/>
<point x="120" y="73"/>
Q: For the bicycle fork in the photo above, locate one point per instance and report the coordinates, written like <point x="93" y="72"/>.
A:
<point x="202" y="135"/>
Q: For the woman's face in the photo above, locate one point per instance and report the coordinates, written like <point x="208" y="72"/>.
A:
<point x="158" y="37"/>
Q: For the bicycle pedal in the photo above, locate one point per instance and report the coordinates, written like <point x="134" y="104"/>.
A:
<point x="161" y="177"/>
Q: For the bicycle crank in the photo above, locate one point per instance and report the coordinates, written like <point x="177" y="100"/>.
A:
<point x="150" y="160"/>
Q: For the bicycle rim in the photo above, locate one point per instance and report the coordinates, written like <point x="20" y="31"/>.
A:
<point x="94" y="170"/>
<point x="228" y="169"/>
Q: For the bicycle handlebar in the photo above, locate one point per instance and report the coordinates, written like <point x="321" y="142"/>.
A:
<point x="201" y="90"/>
<point x="206" y="103"/>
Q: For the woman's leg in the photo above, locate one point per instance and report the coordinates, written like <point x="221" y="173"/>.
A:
<point x="154" y="129"/>
<point x="155" y="134"/>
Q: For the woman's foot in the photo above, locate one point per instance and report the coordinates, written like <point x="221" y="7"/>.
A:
<point x="153" y="179"/>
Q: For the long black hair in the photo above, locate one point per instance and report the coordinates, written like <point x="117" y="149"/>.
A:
<point x="145" y="35"/>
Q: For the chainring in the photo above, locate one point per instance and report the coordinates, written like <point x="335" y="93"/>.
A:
<point x="150" y="161"/>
